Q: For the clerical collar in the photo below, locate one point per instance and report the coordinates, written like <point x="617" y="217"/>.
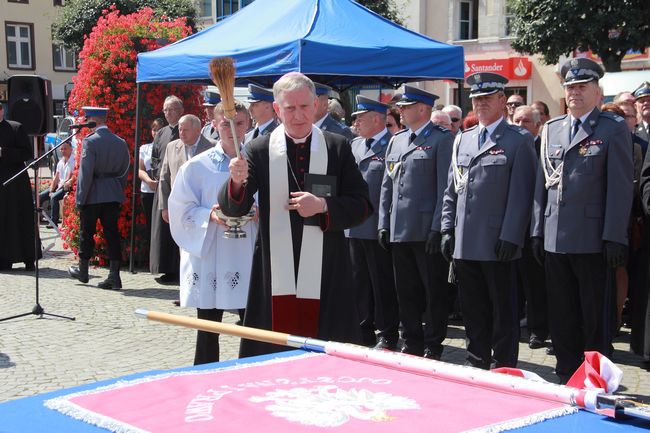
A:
<point x="298" y="140"/>
<point x="321" y="120"/>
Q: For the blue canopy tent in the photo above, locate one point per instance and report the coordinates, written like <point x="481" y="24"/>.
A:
<point x="335" y="42"/>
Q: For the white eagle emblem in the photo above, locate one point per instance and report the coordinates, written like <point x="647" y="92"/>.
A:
<point x="331" y="406"/>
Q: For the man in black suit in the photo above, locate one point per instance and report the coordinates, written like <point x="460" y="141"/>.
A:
<point x="164" y="256"/>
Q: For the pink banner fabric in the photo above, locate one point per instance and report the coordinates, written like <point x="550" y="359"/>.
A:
<point x="306" y="393"/>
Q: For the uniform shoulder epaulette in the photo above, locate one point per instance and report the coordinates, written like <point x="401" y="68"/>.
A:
<point x="519" y="129"/>
<point x="608" y="114"/>
<point x="555" y="119"/>
<point x="441" y="128"/>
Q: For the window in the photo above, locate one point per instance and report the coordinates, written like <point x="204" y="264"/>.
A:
<point x="509" y="18"/>
<point x="468" y="20"/>
<point x="63" y="59"/>
<point x="19" y="1"/>
<point x="205" y="8"/>
<point x="20" y="43"/>
<point x="57" y="2"/>
<point x="225" y="8"/>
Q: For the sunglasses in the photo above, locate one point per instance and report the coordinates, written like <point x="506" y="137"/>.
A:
<point x="455" y="119"/>
<point x="514" y="104"/>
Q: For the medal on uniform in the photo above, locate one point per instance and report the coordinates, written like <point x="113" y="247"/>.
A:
<point x="582" y="151"/>
<point x="393" y="169"/>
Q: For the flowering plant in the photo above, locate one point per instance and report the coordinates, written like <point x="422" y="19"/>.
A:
<point x="107" y="78"/>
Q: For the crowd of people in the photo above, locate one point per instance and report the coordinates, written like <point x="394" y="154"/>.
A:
<point x="381" y="232"/>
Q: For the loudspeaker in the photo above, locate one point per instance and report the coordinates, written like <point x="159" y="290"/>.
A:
<point x="30" y="103"/>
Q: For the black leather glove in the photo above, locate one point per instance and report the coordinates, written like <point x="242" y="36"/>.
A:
<point x="383" y="237"/>
<point x="505" y="250"/>
<point x="615" y="254"/>
<point x="447" y="245"/>
<point x="537" y="246"/>
<point x="432" y="246"/>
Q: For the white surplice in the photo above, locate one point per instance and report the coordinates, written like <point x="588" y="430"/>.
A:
<point x="214" y="271"/>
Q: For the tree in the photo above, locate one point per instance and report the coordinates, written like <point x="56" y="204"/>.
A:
<point x="385" y="8"/>
<point x="608" y="28"/>
<point x="78" y="17"/>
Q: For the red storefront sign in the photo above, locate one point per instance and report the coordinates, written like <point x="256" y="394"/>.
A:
<point x="513" y="68"/>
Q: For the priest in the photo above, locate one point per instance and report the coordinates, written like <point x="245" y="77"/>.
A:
<point x="309" y="190"/>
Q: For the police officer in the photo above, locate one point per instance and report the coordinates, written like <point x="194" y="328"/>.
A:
<point x="642" y="103"/>
<point x="583" y="198"/>
<point x="417" y="161"/>
<point x="103" y="170"/>
<point x="261" y="109"/>
<point x="210" y="100"/>
<point x="323" y="119"/>
<point x="372" y="266"/>
<point x="485" y="217"/>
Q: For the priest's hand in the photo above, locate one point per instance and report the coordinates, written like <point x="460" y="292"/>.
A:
<point x="165" y="215"/>
<point x="306" y="204"/>
<point x="238" y="173"/>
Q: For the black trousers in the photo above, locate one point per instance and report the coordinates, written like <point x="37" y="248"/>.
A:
<point x="374" y="285"/>
<point x="107" y="213"/>
<point x="146" y="199"/>
<point x="207" y="343"/>
<point x="421" y="284"/>
<point x="532" y="277"/>
<point x="488" y="300"/>
<point x="580" y="308"/>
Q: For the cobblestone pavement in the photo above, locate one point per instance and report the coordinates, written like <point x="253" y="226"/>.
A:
<point x="106" y="340"/>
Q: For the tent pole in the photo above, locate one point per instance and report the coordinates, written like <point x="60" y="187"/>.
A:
<point x="136" y="169"/>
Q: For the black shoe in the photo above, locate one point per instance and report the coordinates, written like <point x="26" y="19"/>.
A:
<point x="412" y="350"/>
<point x="536" y="342"/>
<point x="79" y="272"/>
<point x="29" y="266"/>
<point x="430" y="354"/>
<point x="385" y="343"/>
<point x="113" y="281"/>
<point x="167" y="279"/>
<point x="177" y="302"/>
<point x="550" y="350"/>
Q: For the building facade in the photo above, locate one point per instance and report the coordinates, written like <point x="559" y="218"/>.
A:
<point x="27" y="47"/>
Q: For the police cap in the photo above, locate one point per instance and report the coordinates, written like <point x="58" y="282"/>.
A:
<point x="258" y="94"/>
<point x="413" y="95"/>
<point x="485" y="83"/>
<point x="642" y="91"/>
<point x="581" y="70"/>
<point x="365" y="104"/>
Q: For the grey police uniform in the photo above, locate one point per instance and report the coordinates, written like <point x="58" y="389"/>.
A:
<point x="589" y="205"/>
<point x="255" y="132"/>
<point x="489" y="202"/>
<point x="372" y="266"/>
<point x="330" y="124"/>
<point x="410" y="208"/>
<point x="101" y="180"/>
<point x="209" y="131"/>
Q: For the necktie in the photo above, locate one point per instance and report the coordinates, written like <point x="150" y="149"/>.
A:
<point x="369" y="142"/>
<point x="575" y="128"/>
<point x="412" y="137"/>
<point x="256" y="132"/>
<point x="174" y="133"/>
<point x="482" y="137"/>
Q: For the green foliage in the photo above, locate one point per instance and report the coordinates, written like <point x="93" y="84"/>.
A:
<point x="553" y="28"/>
<point x="385" y="8"/>
<point x="78" y="17"/>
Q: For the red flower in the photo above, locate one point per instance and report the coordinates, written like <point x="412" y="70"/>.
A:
<point x="106" y="77"/>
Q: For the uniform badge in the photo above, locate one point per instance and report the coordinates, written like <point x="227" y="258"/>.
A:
<point x="83" y="152"/>
<point x="393" y="169"/>
<point x="582" y="151"/>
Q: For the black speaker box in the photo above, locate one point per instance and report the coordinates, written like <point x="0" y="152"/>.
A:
<point x="30" y="103"/>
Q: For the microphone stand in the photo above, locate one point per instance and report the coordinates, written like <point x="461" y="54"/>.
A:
<point x="38" y="309"/>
